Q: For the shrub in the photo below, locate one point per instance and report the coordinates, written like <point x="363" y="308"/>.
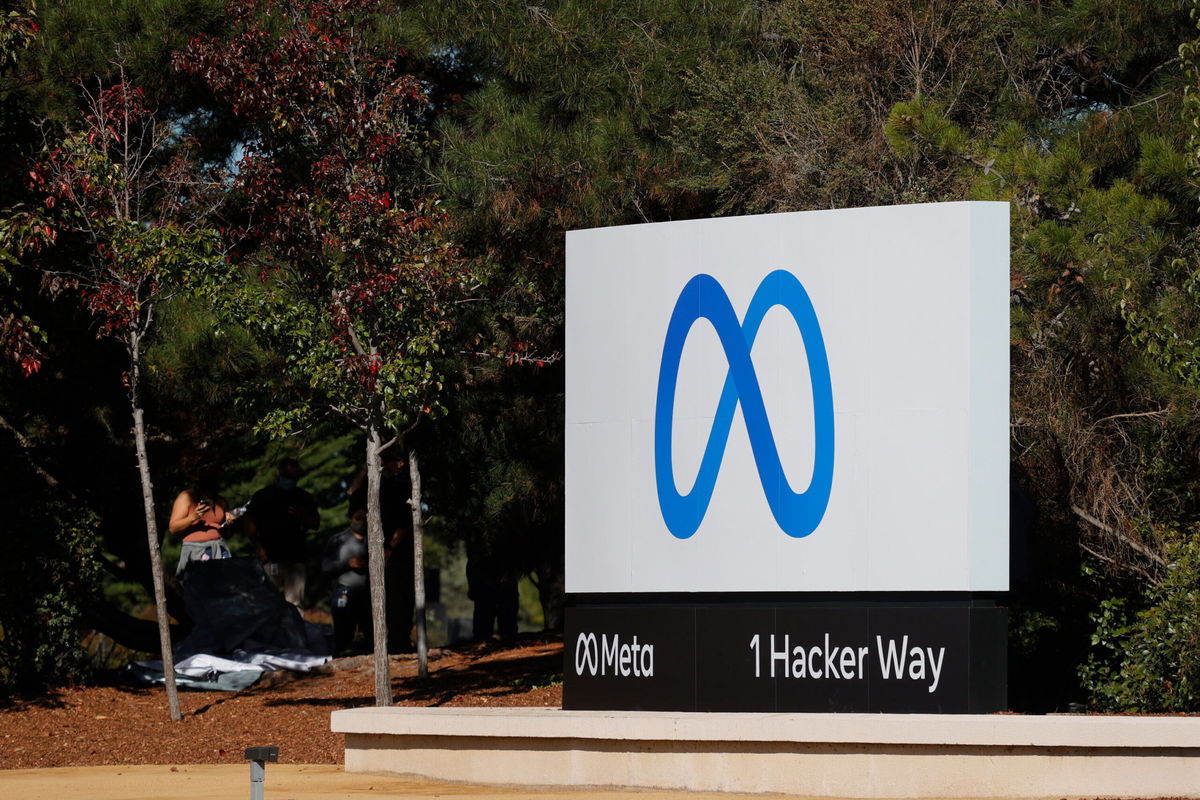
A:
<point x="47" y="576"/>
<point x="1148" y="659"/>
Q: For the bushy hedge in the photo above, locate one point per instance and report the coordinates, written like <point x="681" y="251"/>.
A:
<point x="1147" y="658"/>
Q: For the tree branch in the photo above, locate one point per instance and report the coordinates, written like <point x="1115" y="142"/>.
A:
<point x="28" y="446"/>
<point x="354" y="342"/>
<point x="1115" y="563"/>
<point x="1131" y="416"/>
<point x="1135" y="545"/>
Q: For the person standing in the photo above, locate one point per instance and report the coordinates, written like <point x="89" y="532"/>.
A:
<point x="492" y="585"/>
<point x="277" y="520"/>
<point x="345" y="561"/>
<point x="198" y="515"/>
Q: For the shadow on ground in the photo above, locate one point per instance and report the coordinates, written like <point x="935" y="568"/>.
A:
<point x="477" y="674"/>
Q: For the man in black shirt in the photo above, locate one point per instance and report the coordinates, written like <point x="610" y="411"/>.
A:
<point x="277" y="519"/>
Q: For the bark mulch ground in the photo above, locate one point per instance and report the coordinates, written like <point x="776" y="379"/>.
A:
<point x="112" y="724"/>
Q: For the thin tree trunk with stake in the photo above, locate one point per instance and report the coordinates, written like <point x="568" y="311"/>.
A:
<point x="156" y="570"/>
<point x="414" y="472"/>
<point x="375" y="564"/>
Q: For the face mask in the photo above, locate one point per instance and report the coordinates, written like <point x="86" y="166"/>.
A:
<point x="358" y="527"/>
<point x="287" y="483"/>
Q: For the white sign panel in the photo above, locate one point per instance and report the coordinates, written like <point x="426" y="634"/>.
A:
<point x="814" y="401"/>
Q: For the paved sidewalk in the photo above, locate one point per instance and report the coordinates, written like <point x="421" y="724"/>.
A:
<point x="284" y="782"/>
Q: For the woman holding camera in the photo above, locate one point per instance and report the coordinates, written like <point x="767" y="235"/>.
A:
<point x="198" y="515"/>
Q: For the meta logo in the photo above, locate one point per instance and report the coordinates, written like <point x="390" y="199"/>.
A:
<point x="798" y="513"/>
<point x="609" y="656"/>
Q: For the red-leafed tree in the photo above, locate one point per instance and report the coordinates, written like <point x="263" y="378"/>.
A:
<point x="120" y="228"/>
<point x="20" y="231"/>
<point x="357" y="284"/>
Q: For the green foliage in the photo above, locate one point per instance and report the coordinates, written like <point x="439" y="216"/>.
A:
<point x="1028" y="627"/>
<point x="21" y="339"/>
<point x="569" y="127"/>
<point x="499" y="474"/>
<point x="121" y="187"/>
<point x="1148" y="659"/>
<point x="18" y="28"/>
<point x="356" y="280"/>
<point x="85" y="41"/>
<point x="48" y="579"/>
<point x="568" y="130"/>
<point x="795" y="118"/>
<point x="198" y="367"/>
<point x="918" y="122"/>
<point x="1145" y="643"/>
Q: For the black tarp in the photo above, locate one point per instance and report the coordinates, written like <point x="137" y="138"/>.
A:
<point x="235" y="607"/>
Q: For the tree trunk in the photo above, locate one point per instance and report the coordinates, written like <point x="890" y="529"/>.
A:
<point x="156" y="570"/>
<point x="375" y="565"/>
<point x="414" y="472"/>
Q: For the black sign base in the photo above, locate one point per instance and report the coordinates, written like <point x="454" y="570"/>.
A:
<point x="876" y="656"/>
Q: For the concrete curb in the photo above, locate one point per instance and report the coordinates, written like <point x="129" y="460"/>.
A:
<point x="842" y="755"/>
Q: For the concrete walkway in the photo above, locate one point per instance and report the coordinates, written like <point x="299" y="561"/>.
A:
<point x="284" y="782"/>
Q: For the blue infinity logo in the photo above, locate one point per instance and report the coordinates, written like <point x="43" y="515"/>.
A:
<point x="798" y="513"/>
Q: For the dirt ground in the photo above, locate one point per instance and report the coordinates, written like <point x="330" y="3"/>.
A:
<point x="118" y="725"/>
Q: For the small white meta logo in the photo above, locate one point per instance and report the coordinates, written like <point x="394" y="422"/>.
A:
<point x="609" y="657"/>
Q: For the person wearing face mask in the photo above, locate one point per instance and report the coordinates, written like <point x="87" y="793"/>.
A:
<point x="345" y="561"/>
<point x="277" y="520"/>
